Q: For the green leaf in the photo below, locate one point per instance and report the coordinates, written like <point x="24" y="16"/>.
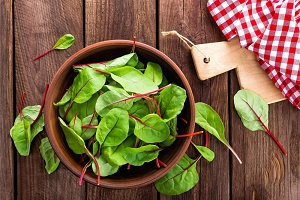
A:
<point x="48" y="155"/>
<point x="109" y="100"/>
<point x="85" y="84"/>
<point x="180" y="179"/>
<point x="130" y="59"/>
<point x="114" y="155"/>
<point x="139" y="66"/>
<point x="171" y="101"/>
<point x="249" y="105"/>
<point x="106" y="168"/>
<point x="21" y="135"/>
<point x="87" y="133"/>
<point x="65" y="99"/>
<point x="154" y="72"/>
<point x="132" y="80"/>
<point x="113" y="128"/>
<point x="30" y="113"/>
<point x="168" y="142"/>
<point x="209" y="119"/>
<point x="139" y="109"/>
<point x="138" y="156"/>
<point x="75" y="142"/>
<point x="208" y="154"/>
<point x="75" y="124"/>
<point x="151" y="129"/>
<point x="164" y="82"/>
<point x="64" y="42"/>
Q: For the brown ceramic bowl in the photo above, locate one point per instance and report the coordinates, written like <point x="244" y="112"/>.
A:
<point x="106" y="50"/>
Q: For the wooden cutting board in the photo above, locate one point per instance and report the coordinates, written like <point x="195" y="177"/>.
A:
<point x="228" y="55"/>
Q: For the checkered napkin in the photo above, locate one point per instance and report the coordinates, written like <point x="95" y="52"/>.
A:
<point x="269" y="28"/>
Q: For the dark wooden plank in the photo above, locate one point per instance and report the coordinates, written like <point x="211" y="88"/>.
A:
<point x="191" y="19"/>
<point x="113" y="19"/>
<point x="6" y="98"/>
<point x="38" y="25"/>
<point x="266" y="173"/>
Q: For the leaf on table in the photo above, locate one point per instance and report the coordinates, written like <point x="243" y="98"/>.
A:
<point x="154" y="72"/>
<point x="209" y="120"/>
<point x="208" y="154"/>
<point x="113" y="128"/>
<point x="171" y="101"/>
<point x="85" y="84"/>
<point x="51" y="160"/>
<point x="249" y="105"/>
<point x="151" y="129"/>
<point x="75" y="142"/>
<point x="64" y="42"/>
<point x="132" y="80"/>
<point x="180" y="179"/>
<point x="138" y="156"/>
<point x="21" y="135"/>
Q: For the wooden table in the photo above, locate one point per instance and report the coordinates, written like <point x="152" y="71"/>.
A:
<point x="30" y="27"/>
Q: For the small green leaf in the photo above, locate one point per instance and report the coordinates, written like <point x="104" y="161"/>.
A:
<point x="64" y="42"/>
<point x="106" y="168"/>
<point x="138" y="156"/>
<point x="75" y="142"/>
<point x="248" y="105"/>
<point x="154" y="72"/>
<point x="209" y="119"/>
<point x="151" y="129"/>
<point x="180" y="179"/>
<point x="113" y="128"/>
<point x="65" y="99"/>
<point x="75" y="124"/>
<point x="87" y="133"/>
<point x="171" y="101"/>
<point x="208" y="154"/>
<point x="48" y="155"/>
<point x="21" y="135"/>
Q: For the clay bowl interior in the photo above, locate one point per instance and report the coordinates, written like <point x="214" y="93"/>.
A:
<point x="107" y="50"/>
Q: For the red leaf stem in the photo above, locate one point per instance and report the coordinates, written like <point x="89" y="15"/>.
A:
<point x="206" y="138"/>
<point x="102" y="72"/>
<point x="43" y="54"/>
<point x="189" y="134"/>
<point x="162" y="163"/>
<point x="184" y="120"/>
<point x="128" y="166"/>
<point x="97" y="165"/>
<point x="157" y="107"/>
<point x="89" y="126"/>
<point x="157" y="163"/>
<point x="42" y="105"/>
<point x="83" y="172"/>
<point x="134" y="44"/>
<point x="267" y="129"/>
<point x="21" y="105"/>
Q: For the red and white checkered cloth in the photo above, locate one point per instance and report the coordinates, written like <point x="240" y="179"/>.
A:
<point x="269" y="28"/>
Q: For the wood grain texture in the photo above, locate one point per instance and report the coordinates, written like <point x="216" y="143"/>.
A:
<point x="266" y="172"/>
<point x="6" y="98"/>
<point x="192" y="20"/>
<point x="38" y="25"/>
<point x="105" y="20"/>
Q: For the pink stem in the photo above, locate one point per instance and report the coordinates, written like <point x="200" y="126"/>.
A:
<point x="189" y="134"/>
<point x="43" y="54"/>
<point x="21" y="105"/>
<point x="83" y="172"/>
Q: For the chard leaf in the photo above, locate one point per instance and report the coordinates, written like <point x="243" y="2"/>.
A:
<point x="168" y="142"/>
<point x="106" y="168"/>
<point x="139" y="65"/>
<point x="154" y="72"/>
<point x="114" y="155"/>
<point x="171" y="101"/>
<point x="85" y="84"/>
<point x="113" y="128"/>
<point x="64" y="42"/>
<point x="138" y="156"/>
<point x="21" y="135"/>
<point x="110" y="100"/>
<point x="139" y="109"/>
<point x="180" y="179"/>
<point x="65" y="99"/>
<point x="130" y="59"/>
<point x="75" y="124"/>
<point x="151" y="129"/>
<point x="48" y="155"/>
<point x="249" y="105"/>
<point x="132" y="80"/>
<point x="208" y="154"/>
<point x="75" y="142"/>
<point x="87" y="133"/>
<point x="30" y="113"/>
<point x="209" y="119"/>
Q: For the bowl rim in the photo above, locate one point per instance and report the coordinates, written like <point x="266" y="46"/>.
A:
<point x="77" y="57"/>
